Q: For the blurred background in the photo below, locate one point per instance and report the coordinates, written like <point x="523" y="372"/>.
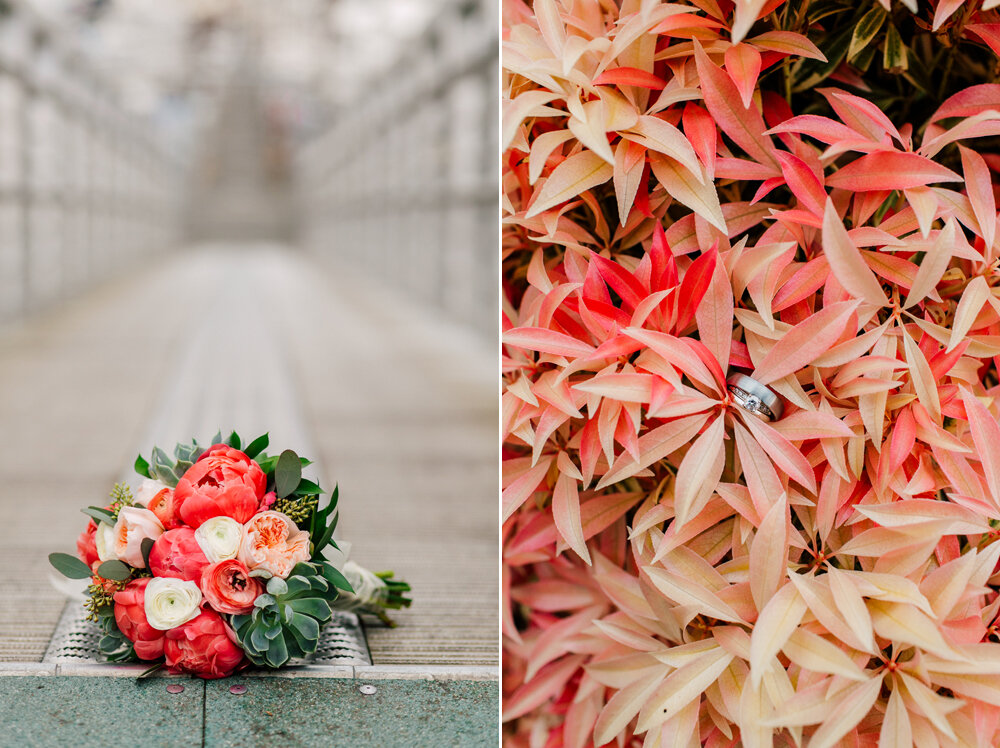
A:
<point x="263" y="216"/>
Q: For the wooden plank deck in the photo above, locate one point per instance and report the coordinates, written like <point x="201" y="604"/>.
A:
<point x="396" y="405"/>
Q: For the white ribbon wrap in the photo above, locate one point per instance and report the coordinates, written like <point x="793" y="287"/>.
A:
<point x="369" y="590"/>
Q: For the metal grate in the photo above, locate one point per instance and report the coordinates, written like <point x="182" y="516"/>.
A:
<point x="75" y="640"/>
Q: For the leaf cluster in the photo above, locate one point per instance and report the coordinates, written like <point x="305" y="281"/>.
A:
<point x="286" y="621"/>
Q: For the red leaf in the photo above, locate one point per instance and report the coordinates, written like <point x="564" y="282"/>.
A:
<point x="693" y="287"/>
<point x="630" y="77"/>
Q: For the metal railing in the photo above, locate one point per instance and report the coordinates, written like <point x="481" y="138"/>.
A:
<point x="85" y="190"/>
<point x="403" y="183"/>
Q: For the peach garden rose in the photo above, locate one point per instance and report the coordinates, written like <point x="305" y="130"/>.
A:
<point x="133" y="526"/>
<point x="271" y="541"/>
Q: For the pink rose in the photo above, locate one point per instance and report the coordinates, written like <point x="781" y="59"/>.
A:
<point x="176" y="553"/>
<point x="86" y="546"/>
<point x="228" y="587"/>
<point x="135" y="525"/>
<point x="130" y="615"/>
<point x="223" y="482"/>
<point x="271" y="541"/>
<point x="204" y="646"/>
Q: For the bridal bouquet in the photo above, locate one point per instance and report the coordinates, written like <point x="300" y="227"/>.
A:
<point x="217" y="561"/>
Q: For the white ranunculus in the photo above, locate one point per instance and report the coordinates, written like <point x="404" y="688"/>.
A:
<point x="171" y="602"/>
<point x="148" y="490"/>
<point x="104" y="538"/>
<point x="219" y="538"/>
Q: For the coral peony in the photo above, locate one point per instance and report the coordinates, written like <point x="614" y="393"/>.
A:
<point x="86" y="546"/>
<point x="176" y="553"/>
<point x="229" y="588"/>
<point x="271" y="541"/>
<point x="130" y="615"/>
<point x="203" y="646"/>
<point x="223" y="482"/>
<point x="133" y="526"/>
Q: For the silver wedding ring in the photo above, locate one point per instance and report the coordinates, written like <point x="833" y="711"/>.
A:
<point x="755" y="397"/>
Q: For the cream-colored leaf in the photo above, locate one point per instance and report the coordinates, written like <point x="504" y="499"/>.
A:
<point x="846" y="262"/>
<point x="933" y="265"/>
<point x="852" y="705"/>
<point x="699" y="471"/>
<point x="959" y="520"/>
<point x="922" y="378"/>
<point x="851" y="607"/>
<point x="662" y="137"/>
<point x="693" y="191"/>
<point x="975" y="296"/>
<point x="579" y="172"/>
<point x="541" y="149"/>
<point x="769" y="554"/>
<point x="681" y="687"/>
<point x="895" y="732"/>
<point x="813" y="652"/>
<point x="905" y="624"/>
<point x="774" y="625"/>
<point x="930" y="704"/>
<point x="589" y="130"/>
<point x="516" y="110"/>
<point x="686" y="592"/>
<point x="654" y="445"/>
<point x="754" y="708"/>
<point x="624" y="705"/>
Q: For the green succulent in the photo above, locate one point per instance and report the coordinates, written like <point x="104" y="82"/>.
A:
<point x="286" y="620"/>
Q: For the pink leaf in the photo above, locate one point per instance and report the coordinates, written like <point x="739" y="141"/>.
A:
<point x="846" y="261"/>
<point x="890" y="170"/>
<point x="805" y="342"/>
<point x="743" y="67"/>
<point x="785" y="455"/>
<point x="741" y="123"/>
<point x="566" y="513"/>
<point x="979" y="187"/>
<point x="986" y="437"/>
<point x="803" y="182"/>
<point x="714" y="315"/>
<point x="546" y="341"/>
<point x="699" y="471"/>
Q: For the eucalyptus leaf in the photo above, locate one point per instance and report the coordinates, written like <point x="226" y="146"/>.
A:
<point x="69" y="566"/>
<point x="287" y="473"/>
<point x="99" y="515"/>
<point x="114" y="570"/>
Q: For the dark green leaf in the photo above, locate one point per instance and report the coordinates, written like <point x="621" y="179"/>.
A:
<point x="306" y="625"/>
<point x="866" y="30"/>
<point x="287" y="473"/>
<point x="327" y="535"/>
<point x="69" y="566"/>
<point x="259" y="639"/>
<point x="333" y="575"/>
<point x="234" y="440"/>
<point x="142" y="467"/>
<point x="146" y="547"/>
<point x="277" y="653"/>
<point x="257" y="446"/>
<point x="308" y="488"/>
<point x="894" y="57"/>
<point x="114" y="570"/>
<point x="312" y="606"/>
<point x="149" y="671"/>
<point x="99" y="515"/>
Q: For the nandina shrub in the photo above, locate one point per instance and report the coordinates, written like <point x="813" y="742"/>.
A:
<point x="682" y="204"/>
